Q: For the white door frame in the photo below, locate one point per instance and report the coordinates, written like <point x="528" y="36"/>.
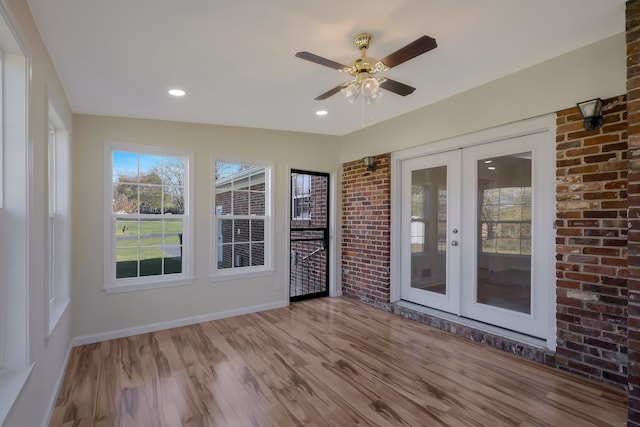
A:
<point x="450" y="300"/>
<point x="545" y="126"/>
<point x="542" y="232"/>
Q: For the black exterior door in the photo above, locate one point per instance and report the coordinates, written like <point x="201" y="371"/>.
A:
<point x="309" y="235"/>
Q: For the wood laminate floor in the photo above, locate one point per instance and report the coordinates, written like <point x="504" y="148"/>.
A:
<point x="322" y="362"/>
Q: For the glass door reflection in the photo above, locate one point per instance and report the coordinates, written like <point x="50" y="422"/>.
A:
<point x="504" y="232"/>
<point x="428" y="231"/>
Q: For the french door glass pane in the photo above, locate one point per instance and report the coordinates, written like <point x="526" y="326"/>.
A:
<point x="504" y="232"/>
<point x="428" y="229"/>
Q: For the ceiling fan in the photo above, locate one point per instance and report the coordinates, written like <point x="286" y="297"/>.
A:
<point x="363" y="69"/>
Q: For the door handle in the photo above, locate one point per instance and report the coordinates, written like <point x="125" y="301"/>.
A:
<point x="454" y="243"/>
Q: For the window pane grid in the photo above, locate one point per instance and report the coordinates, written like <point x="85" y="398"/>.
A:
<point x="148" y="247"/>
<point x="505" y="220"/>
<point x="148" y="213"/>
<point x="240" y="199"/>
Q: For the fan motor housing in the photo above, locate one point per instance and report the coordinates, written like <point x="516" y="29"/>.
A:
<point x="362" y="65"/>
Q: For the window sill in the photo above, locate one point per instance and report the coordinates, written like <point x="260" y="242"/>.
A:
<point x="235" y="275"/>
<point x="11" y="385"/>
<point x="56" y="310"/>
<point x="141" y="286"/>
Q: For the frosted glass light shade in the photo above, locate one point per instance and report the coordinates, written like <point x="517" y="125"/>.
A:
<point x="350" y="92"/>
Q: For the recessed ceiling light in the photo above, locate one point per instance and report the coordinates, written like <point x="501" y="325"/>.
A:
<point x="321" y="112"/>
<point x="176" y="92"/>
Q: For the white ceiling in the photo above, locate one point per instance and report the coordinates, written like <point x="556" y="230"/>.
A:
<point x="235" y="59"/>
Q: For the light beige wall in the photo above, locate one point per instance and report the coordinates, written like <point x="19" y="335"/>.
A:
<point x="597" y="70"/>
<point x="48" y="356"/>
<point x="96" y="312"/>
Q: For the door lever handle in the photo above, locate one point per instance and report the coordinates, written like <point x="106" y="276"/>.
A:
<point x="454" y="243"/>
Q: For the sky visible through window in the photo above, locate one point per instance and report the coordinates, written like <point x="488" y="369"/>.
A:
<point x="126" y="163"/>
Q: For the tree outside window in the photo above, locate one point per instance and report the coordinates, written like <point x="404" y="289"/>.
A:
<point x="149" y="215"/>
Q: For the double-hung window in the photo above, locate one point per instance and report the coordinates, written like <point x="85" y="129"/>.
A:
<point x="15" y="170"/>
<point x="58" y="286"/>
<point x="148" y="227"/>
<point x="51" y="223"/>
<point x="241" y="215"/>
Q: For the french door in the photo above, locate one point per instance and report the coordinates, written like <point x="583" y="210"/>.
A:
<point x="476" y="224"/>
<point x="431" y="216"/>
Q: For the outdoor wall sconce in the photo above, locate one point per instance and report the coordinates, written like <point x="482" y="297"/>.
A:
<point x="370" y="163"/>
<point x="591" y="113"/>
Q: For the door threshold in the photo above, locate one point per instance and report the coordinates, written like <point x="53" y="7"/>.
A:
<point x="474" y="324"/>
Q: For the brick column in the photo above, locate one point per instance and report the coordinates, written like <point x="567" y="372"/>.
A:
<point x="366" y="235"/>
<point x="633" y="283"/>
<point x="591" y="244"/>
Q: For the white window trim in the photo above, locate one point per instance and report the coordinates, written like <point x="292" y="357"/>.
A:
<point x="113" y="285"/>
<point x="15" y="65"/>
<point x="52" y="202"/>
<point x="218" y="275"/>
<point x="58" y="286"/>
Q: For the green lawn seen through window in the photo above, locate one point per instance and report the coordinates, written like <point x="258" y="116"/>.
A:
<point x="144" y="247"/>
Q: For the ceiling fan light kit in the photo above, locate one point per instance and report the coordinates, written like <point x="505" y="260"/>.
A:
<point x="368" y="86"/>
<point x="364" y="68"/>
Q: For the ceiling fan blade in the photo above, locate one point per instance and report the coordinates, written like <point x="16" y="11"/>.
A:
<point x="329" y="93"/>
<point x="397" y="87"/>
<point x="413" y="49"/>
<point x="320" y="60"/>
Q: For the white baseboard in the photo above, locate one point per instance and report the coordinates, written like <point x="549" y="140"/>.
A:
<point x="56" y="390"/>
<point x="121" y="333"/>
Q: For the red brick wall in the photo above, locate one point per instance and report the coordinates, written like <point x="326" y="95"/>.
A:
<point x="366" y="231"/>
<point x="591" y="252"/>
<point x="633" y="105"/>
<point x="366" y="255"/>
<point x="591" y="247"/>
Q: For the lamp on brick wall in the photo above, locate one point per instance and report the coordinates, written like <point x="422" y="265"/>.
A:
<point x="370" y="163"/>
<point x="591" y="113"/>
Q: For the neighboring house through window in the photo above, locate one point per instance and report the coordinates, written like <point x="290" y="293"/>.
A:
<point x="241" y="219"/>
<point x="301" y="197"/>
<point x="148" y="226"/>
